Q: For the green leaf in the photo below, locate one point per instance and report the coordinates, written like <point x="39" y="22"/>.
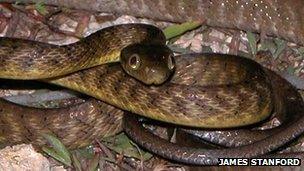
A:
<point x="123" y="145"/>
<point x="144" y="156"/>
<point x="86" y="152"/>
<point x="206" y="49"/>
<point x="281" y="45"/>
<point x="108" y="159"/>
<point x="18" y="2"/>
<point x="290" y="70"/>
<point x="252" y="42"/>
<point x="76" y="162"/>
<point x="244" y="54"/>
<point x="51" y="152"/>
<point x="179" y="29"/>
<point x="93" y="163"/>
<point x="301" y="51"/>
<point x="58" y="147"/>
<point x="268" y="45"/>
<point x="178" y="49"/>
<point x="40" y="7"/>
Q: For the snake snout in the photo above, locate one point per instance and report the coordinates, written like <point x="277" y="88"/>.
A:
<point x="158" y="77"/>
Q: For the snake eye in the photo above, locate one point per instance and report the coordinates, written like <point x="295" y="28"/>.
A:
<point x="170" y="63"/>
<point x="134" y="61"/>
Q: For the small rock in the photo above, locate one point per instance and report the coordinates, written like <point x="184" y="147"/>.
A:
<point x="22" y="158"/>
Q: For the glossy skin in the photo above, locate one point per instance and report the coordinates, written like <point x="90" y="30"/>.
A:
<point x="280" y="18"/>
<point x="261" y="143"/>
<point x="151" y="63"/>
<point x="76" y="126"/>
<point x="25" y="59"/>
<point x="249" y="134"/>
<point x="193" y="85"/>
<point x="277" y="18"/>
<point x="214" y="105"/>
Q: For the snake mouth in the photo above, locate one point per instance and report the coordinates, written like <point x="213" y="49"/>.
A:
<point x="160" y="79"/>
<point x="157" y="76"/>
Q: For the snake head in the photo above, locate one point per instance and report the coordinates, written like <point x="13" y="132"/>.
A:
<point x="150" y="64"/>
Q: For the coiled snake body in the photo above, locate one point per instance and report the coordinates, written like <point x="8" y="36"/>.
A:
<point x="221" y="106"/>
<point x="244" y="100"/>
<point x="242" y="142"/>
<point x="231" y="103"/>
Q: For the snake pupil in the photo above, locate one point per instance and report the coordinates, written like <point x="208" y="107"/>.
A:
<point x="134" y="61"/>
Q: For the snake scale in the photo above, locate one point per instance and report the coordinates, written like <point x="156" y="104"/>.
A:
<point x="242" y="142"/>
<point x="278" y="19"/>
<point x="223" y="106"/>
